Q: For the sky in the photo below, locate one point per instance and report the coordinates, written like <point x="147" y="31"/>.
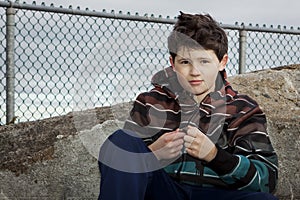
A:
<point x="268" y="12"/>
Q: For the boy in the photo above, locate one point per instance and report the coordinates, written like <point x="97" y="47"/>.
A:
<point x="192" y="136"/>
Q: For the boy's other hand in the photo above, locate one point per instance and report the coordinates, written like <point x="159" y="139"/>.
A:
<point x="198" y="145"/>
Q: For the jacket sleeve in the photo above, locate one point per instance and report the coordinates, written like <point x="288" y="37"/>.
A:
<point x="249" y="162"/>
<point x="148" y="118"/>
<point x="138" y="118"/>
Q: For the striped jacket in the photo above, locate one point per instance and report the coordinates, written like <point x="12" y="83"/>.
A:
<point x="245" y="160"/>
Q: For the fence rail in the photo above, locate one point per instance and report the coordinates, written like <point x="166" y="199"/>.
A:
<point x="55" y="60"/>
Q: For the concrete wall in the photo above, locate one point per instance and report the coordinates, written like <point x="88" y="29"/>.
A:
<point x="56" y="158"/>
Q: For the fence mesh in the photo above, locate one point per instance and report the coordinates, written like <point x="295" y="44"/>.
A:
<point x="2" y="65"/>
<point x="265" y="50"/>
<point x="65" y="62"/>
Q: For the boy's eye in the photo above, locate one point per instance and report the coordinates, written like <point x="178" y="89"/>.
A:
<point x="184" y="62"/>
<point x="204" y="61"/>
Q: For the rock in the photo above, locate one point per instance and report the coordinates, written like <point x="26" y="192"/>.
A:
<point x="277" y="91"/>
<point x="48" y="158"/>
<point x="56" y="158"/>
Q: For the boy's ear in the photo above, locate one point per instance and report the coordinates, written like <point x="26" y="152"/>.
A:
<point x="171" y="62"/>
<point x="223" y="62"/>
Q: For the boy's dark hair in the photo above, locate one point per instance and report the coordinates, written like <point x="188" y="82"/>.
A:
<point x="198" y="31"/>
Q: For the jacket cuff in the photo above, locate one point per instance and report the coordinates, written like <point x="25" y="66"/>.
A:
<point x="224" y="162"/>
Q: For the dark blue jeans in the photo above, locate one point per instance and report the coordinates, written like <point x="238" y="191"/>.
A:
<point x="120" y="182"/>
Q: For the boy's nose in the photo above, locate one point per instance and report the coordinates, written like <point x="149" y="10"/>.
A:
<point x="195" y="70"/>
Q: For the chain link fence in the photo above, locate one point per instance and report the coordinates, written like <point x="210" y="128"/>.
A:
<point x="68" y="59"/>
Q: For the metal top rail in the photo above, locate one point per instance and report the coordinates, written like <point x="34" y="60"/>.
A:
<point x="87" y="12"/>
<point x="257" y="28"/>
<point x="137" y="17"/>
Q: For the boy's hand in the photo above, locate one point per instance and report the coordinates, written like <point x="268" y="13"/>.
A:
<point x="168" y="146"/>
<point x="198" y="145"/>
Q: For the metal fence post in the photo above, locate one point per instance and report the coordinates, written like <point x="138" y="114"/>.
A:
<point x="242" y="51"/>
<point x="10" y="64"/>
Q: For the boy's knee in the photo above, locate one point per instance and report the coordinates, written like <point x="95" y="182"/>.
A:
<point x="124" y="152"/>
<point x="127" y="140"/>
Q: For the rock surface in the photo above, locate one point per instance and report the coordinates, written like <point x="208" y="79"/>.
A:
<point x="277" y="91"/>
<point x="56" y="158"/>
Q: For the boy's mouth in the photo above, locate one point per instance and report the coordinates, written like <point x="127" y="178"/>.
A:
<point x="195" y="82"/>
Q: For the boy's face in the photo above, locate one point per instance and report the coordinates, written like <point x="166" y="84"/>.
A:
<point x="197" y="70"/>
